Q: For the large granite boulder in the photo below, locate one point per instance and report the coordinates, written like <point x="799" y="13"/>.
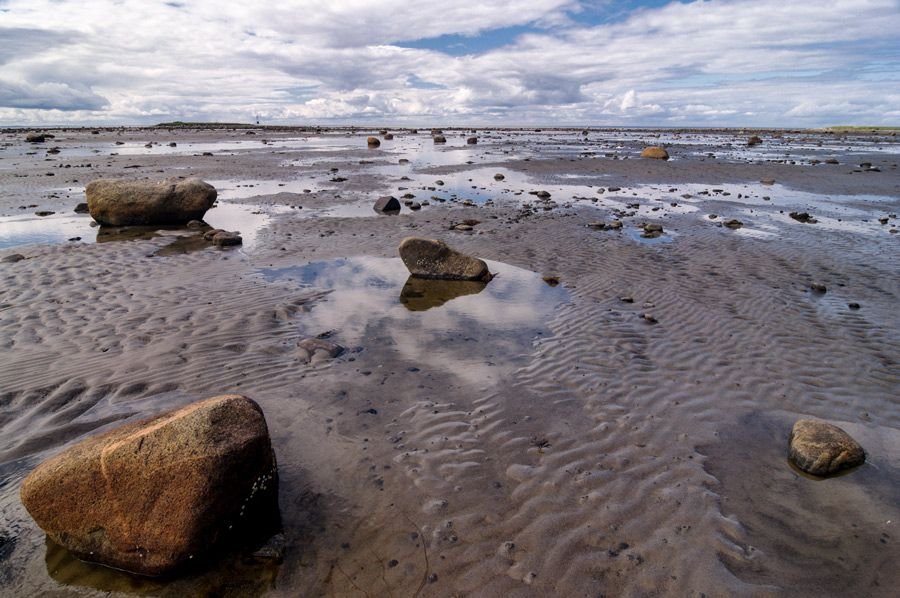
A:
<point x="152" y="496"/>
<point x="118" y="202"/>
<point x="655" y="153"/>
<point x="821" y="449"/>
<point x="430" y="258"/>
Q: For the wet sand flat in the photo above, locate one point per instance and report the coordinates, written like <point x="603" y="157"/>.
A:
<point x="621" y="434"/>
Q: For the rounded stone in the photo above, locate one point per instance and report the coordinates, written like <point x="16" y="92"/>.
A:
<point x="822" y="449"/>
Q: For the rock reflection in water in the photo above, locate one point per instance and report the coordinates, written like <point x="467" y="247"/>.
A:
<point x="185" y="240"/>
<point x="421" y="294"/>
<point x="233" y="575"/>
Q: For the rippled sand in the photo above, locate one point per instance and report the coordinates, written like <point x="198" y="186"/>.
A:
<point x="517" y="440"/>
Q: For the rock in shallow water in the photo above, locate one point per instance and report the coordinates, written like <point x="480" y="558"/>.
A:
<point x="152" y="496"/>
<point x="822" y="449"/>
<point x="430" y="258"/>
<point x="114" y="202"/>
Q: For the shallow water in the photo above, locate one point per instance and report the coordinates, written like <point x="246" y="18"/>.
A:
<point x="464" y="329"/>
<point x="16" y="231"/>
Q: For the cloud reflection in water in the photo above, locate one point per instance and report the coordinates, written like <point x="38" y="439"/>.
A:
<point x="466" y="331"/>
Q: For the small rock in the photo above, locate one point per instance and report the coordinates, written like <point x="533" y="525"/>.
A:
<point x="388" y="136"/>
<point x="543" y="194"/>
<point x="767" y="181"/>
<point x="44" y="213"/>
<point x="818" y="288"/>
<point x="195" y="224"/>
<point x="499" y="177"/>
<point x="734" y="223"/>
<point x="853" y="305"/>
<point x="35" y="138"/>
<point x="821" y="449"/>
<point x="803" y="217"/>
<point x="81" y="208"/>
<point x="387" y="204"/>
<point x="472" y="140"/>
<point x="272" y="550"/>
<point x="440" y="139"/>
<point x="655" y="153"/>
<point x="320" y="349"/>
<point x="754" y="140"/>
<point x="373" y="142"/>
<point x="551" y="280"/>
<point x="227" y="239"/>
<point x="13" y="258"/>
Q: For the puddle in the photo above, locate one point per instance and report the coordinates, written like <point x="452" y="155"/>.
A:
<point x="17" y="231"/>
<point x="768" y="205"/>
<point x="467" y="329"/>
<point x="637" y="234"/>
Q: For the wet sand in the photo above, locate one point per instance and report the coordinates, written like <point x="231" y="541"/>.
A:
<point x="520" y="440"/>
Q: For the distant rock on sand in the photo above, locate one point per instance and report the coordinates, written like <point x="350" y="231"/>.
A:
<point x="429" y="258"/>
<point x="35" y="138"/>
<point x="655" y="152"/>
<point x="387" y="205"/>
<point x="116" y="202"/>
<point x="821" y="449"/>
<point x="440" y="139"/>
<point x="151" y="496"/>
<point x="373" y="141"/>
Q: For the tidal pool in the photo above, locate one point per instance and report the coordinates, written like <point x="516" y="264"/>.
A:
<point x="18" y="231"/>
<point x="461" y="327"/>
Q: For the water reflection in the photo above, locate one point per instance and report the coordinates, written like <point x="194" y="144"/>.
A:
<point x="233" y="574"/>
<point x="30" y="230"/>
<point x="420" y="294"/>
<point x="462" y="329"/>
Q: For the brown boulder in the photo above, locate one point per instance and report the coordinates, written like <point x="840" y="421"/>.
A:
<point x="822" y="449"/>
<point x="656" y="153"/>
<point x="430" y="258"/>
<point x="440" y="139"/>
<point x="116" y="202"/>
<point x="373" y="142"/>
<point x="472" y="140"/>
<point x="152" y="496"/>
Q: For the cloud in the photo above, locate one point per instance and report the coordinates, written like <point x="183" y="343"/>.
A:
<point x="49" y="96"/>
<point x="719" y="62"/>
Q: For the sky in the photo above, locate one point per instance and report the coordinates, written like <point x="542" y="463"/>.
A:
<point x="778" y="63"/>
